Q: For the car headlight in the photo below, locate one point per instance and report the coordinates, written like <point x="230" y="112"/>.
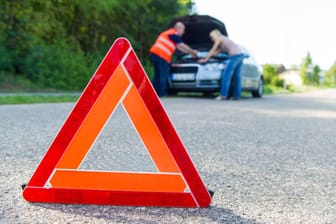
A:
<point x="214" y="66"/>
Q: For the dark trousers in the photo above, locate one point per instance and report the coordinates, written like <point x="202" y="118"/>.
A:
<point x="161" y="73"/>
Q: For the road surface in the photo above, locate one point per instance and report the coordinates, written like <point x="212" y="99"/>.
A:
<point x="269" y="160"/>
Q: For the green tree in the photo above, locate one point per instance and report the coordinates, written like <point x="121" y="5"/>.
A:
<point x="330" y="76"/>
<point x="269" y="72"/>
<point x="305" y="69"/>
<point x="59" y="43"/>
<point x="316" y="75"/>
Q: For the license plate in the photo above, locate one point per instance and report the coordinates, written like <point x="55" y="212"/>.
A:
<point x="184" y="77"/>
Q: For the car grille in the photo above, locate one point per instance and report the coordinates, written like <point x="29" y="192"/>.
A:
<point x="183" y="69"/>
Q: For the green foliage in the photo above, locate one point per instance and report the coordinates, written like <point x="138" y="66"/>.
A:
<point x="275" y="81"/>
<point x="59" y="43"/>
<point x="267" y="89"/>
<point x="269" y="72"/>
<point x="54" y="66"/>
<point x="12" y="82"/>
<point x="6" y="58"/>
<point x="148" y="69"/>
<point x="271" y="75"/>
<point x="330" y="76"/>
<point x="271" y="89"/>
<point x="305" y="69"/>
<point x="316" y="75"/>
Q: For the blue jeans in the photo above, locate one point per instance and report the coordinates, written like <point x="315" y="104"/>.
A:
<point x="231" y="80"/>
<point x="161" y="73"/>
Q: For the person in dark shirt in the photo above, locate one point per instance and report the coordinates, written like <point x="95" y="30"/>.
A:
<point x="161" y="53"/>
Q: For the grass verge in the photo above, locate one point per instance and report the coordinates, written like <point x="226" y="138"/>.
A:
<point x="28" y="99"/>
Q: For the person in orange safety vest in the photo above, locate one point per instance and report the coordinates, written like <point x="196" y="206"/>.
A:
<point x="161" y="53"/>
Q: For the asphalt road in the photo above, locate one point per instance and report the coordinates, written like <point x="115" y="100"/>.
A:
<point x="269" y="160"/>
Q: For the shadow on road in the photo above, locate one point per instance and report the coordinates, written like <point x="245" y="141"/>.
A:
<point x="128" y="214"/>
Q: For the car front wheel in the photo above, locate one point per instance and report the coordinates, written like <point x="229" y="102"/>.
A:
<point x="258" y="92"/>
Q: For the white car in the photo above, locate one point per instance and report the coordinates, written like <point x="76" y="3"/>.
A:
<point x="187" y="75"/>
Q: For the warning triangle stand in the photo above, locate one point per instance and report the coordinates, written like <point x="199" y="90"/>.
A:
<point x="119" y="79"/>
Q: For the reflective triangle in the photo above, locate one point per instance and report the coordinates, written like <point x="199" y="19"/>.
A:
<point x="119" y="79"/>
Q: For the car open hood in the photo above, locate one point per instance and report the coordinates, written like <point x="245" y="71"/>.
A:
<point x="186" y="58"/>
<point x="198" y="28"/>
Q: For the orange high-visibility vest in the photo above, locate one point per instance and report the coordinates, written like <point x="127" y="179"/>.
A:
<point x="164" y="47"/>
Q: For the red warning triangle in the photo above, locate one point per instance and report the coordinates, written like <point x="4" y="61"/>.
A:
<point x="120" y="79"/>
